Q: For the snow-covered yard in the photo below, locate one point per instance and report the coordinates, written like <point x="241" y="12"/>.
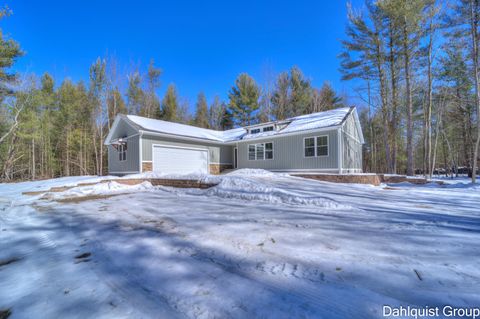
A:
<point x="258" y="245"/>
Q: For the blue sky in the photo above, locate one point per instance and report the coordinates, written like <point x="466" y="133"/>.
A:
<point x="201" y="46"/>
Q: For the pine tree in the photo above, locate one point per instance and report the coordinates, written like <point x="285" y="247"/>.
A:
<point x="201" y="113"/>
<point x="301" y="92"/>
<point x="244" y="100"/>
<point x="408" y="16"/>
<point x="151" y="103"/>
<point x="292" y="95"/>
<point x="135" y="93"/>
<point x="10" y="52"/>
<point x="227" y="118"/>
<point x="326" y="99"/>
<point x="98" y="86"/>
<point x="170" y="104"/>
<point x="281" y="98"/>
<point x="364" y="57"/>
<point x="466" y="21"/>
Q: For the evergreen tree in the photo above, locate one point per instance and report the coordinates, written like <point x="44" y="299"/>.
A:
<point x="10" y="52"/>
<point x="281" y="97"/>
<point x="325" y="99"/>
<point x="151" y="103"/>
<point x="201" y="116"/>
<point x="292" y="95"/>
<point x="301" y="92"/>
<point x="98" y="86"/>
<point x="244" y="96"/>
<point x="466" y="22"/>
<point x="135" y="93"/>
<point x="170" y="104"/>
<point x="227" y="118"/>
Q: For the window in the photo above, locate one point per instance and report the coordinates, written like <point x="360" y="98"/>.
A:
<point x="322" y="145"/>
<point x="268" y="150"/>
<point x="316" y="146"/>
<point x="122" y="152"/>
<point x="260" y="151"/>
<point x="268" y="128"/>
<point x="251" y="152"/>
<point x="309" y="147"/>
<point x="255" y="131"/>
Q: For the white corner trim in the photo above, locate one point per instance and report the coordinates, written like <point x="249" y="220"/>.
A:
<point x="340" y="150"/>
<point x="140" y="150"/>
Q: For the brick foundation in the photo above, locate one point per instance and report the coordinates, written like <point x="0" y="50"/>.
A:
<point x="147" y="166"/>
<point x="345" y="178"/>
<point x="373" y="179"/>
<point x="181" y="183"/>
<point x="216" y="169"/>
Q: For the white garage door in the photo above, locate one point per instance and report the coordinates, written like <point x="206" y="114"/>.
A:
<point x="175" y="160"/>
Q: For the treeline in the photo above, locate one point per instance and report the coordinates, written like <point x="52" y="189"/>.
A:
<point x="418" y="65"/>
<point x="50" y="128"/>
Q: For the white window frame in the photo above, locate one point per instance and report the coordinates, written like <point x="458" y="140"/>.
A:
<point x="270" y="126"/>
<point x="255" y="147"/>
<point x="315" y="153"/>
<point x="122" y="149"/>
<point x="255" y="129"/>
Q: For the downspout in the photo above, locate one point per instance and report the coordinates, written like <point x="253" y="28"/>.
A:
<point x="340" y="149"/>
<point x="236" y="146"/>
<point x="140" y="147"/>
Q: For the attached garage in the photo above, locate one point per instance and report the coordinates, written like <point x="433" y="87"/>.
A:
<point x="169" y="159"/>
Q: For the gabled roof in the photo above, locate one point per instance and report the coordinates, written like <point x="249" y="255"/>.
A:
<point x="306" y="122"/>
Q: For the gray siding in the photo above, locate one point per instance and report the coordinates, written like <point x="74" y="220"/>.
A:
<point x="352" y="148"/>
<point x="217" y="153"/>
<point x="132" y="163"/>
<point x="288" y="153"/>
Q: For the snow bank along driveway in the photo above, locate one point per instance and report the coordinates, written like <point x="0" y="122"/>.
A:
<point x="258" y="245"/>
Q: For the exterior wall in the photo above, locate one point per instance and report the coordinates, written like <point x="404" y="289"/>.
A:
<point x="220" y="156"/>
<point x="288" y="154"/>
<point x="131" y="165"/>
<point x="351" y="147"/>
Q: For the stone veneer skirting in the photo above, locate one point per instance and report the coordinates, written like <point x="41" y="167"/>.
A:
<point x="147" y="166"/>
<point x="214" y="168"/>
<point x="373" y="179"/>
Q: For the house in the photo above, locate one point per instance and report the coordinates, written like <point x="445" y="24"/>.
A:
<point x="328" y="142"/>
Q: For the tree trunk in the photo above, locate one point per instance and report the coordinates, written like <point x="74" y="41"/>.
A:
<point x="474" y="33"/>
<point x="383" y="96"/>
<point x="393" y="126"/>
<point x="33" y="159"/>
<point x="406" y="52"/>
<point x="428" y="120"/>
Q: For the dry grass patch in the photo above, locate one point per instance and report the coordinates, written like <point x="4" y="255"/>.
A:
<point x="5" y="313"/>
<point x="80" y="199"/>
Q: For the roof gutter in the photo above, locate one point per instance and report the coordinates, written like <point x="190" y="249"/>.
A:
<point x="181" y="137"/>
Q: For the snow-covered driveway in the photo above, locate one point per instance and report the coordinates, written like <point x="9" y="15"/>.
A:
<point x="256" y="246"/>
